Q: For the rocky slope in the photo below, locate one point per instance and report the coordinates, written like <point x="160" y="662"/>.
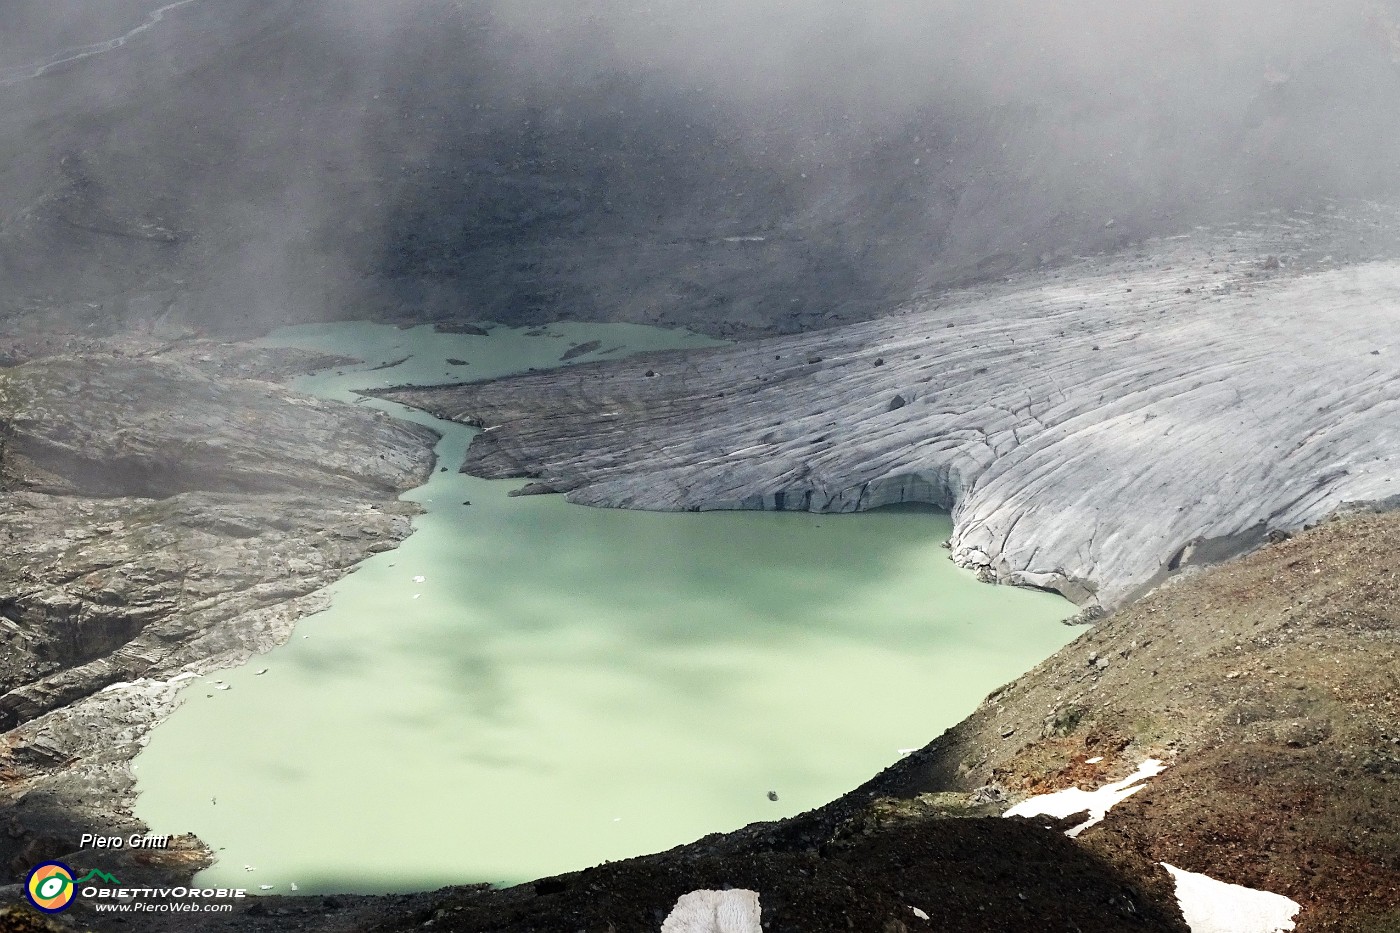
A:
<point x="159" y="522"/>
<point x="1092" y="430"/>
<point x="1270" y="686"/>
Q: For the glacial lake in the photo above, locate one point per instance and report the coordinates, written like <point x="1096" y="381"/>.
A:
<point x="527" y="687"/>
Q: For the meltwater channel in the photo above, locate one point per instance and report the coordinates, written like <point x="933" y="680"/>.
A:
<point x="526" y="687"/>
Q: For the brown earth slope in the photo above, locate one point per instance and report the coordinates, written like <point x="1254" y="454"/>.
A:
<point x="1272" y="687"/>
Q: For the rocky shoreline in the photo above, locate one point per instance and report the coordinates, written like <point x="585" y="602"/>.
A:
<point x="164" y="517"/>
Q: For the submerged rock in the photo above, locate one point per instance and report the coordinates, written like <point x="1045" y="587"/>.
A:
<point x="460" y="327"/>
<point x="532" y="489"/>
<point x="582" y="349"/>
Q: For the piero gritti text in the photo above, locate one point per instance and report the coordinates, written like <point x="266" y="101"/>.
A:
<point x="134" y="841"/>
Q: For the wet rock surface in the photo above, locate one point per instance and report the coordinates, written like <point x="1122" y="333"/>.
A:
<point x="161" y="520"/>
<point x="1092" y="430"/>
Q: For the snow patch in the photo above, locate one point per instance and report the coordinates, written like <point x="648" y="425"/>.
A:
<point x="1072" y="800"/>
<point x="715" y="912"/>
<point x="1211" y="906"/>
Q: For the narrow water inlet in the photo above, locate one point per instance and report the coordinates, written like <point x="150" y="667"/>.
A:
<point x="526" y="687"/>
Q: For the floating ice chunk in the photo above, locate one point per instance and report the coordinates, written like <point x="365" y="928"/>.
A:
<point x="261" y="672"/>
<point x="224" y="687"/>
<point x="416" y="595"/>
<point x="266" y="887"/>
<point x="294" y="886"/>
<point x="714" y="912"/>
<point x="1072" y="800"/>
<point x="1211" y="906"/>
<point x="419" y="579"/>
<point x="919" y="913"/>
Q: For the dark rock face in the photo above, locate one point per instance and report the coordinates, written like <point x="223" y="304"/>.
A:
<point x="99" y="591"/>
<point x="158" y="522"/>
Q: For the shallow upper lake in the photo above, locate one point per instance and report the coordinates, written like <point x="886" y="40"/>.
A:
<point x="526" y="687"/>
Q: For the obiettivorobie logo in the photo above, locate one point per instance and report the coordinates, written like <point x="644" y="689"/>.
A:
<point x="51" y="886"/>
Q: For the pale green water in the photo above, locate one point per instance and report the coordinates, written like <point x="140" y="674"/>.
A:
<point x="570" y="685"/>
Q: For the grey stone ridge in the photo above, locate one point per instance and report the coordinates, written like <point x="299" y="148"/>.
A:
<point x="159" y="522"/>
<point x="1091" y="429"/>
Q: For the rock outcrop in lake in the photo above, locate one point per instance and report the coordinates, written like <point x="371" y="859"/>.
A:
<point x="159" y="522"/>
<point x="1092" y="429"/>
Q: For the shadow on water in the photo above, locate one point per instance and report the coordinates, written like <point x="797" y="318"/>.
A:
<point x="655" y="582"/>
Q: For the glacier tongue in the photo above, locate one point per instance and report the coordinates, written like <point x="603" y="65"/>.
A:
<point x="1091" y="429"/>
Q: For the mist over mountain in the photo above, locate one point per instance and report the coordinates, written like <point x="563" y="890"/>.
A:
<point x="738" y="167"/>
<point x="1116" y="284"/>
